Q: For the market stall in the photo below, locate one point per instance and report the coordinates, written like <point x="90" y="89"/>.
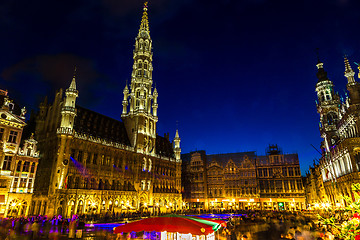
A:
<point x="175" y="227"/>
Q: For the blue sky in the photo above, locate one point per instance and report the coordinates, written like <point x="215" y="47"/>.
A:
<point x="236" y="75"/>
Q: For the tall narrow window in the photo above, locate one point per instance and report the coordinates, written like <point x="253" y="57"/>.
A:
<point x="1" y="133"/>
<point x="7" y="163"/>
<point x="30" y="184"/>
<point x="15" y="182"/>
<point x="32" y="170"/>
<point x="26" y="166"/>
<point x="80" y="156"/>
<point x="13" y="136"/>
<point x="18" y="167"/>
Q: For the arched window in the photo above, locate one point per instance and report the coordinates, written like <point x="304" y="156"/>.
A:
<point x="328" y="97"/>
<point x="322" y="97"/>
<point x="144" y="164"/>
<point x="150" y="165"/>
<point x="331" y="118"/>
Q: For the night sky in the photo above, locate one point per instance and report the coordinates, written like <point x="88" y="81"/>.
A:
<point x="236" y="75"/>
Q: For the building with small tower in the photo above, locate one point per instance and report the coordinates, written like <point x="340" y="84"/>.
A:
<point x="93" y="164"/>
<point x="339" y="164"/>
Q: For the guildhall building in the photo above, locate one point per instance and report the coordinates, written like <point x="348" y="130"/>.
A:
<point x="243" y="181"/>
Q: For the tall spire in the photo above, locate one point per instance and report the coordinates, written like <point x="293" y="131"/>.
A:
<point x="140" y="101"/>
<point x="144" y="26"/>
<point x="73" y="82"/>
<point x="349" y="73"/>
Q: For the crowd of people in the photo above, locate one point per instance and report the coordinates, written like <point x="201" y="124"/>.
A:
<point x="244" y="225"/>
<point x="274" y="225"/>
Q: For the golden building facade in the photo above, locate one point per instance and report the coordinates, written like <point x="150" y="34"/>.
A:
<point x="19" y="160"/>
<point x="339" y="127"/>
<point x="235" y="181"/>
<point x="93" y="164"/>
<point x="314" y="189"/>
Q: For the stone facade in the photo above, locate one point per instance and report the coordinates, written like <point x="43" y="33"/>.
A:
<point x="92" y="164"/>
<point x="339" y="164"/>
<point x="18" y="159"/>
<point x="243" y="181"/>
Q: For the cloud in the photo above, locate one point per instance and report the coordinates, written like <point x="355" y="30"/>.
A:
<point x="55" y="70"/>
<point x="33" y="78"/>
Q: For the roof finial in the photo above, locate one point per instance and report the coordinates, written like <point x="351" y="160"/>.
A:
<point x="145" y="5"/>
<point x="144" y="21"/>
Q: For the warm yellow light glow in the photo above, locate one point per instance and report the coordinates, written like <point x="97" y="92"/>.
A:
<point x="317" y="205"/>
<point x="197" y="200"/>
<point x="110" y="202"/>
<point x="13" y="204"/>
<point x="116" y="202"/>
<point x="93" y="204"/>
<point x="233" y="199"/>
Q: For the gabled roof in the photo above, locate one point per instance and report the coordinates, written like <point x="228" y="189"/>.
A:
<point x="98" y="125"/>
<point x="11" y="117"/>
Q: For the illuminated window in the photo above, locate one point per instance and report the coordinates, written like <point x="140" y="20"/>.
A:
<point x="30" y="183"/>
<point x="15" y="182"/>
<point x="22" y="182"/>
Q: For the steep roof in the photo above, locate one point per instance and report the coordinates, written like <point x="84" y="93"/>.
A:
<point x="98" y="125"/>
<point x="237" y="158"/>
<point x="164" y="147"/>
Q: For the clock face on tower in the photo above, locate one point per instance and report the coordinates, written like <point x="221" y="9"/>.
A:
<point x="65" y="162"/>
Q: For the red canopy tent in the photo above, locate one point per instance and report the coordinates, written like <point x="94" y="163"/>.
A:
<point x="172" y="223"/>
